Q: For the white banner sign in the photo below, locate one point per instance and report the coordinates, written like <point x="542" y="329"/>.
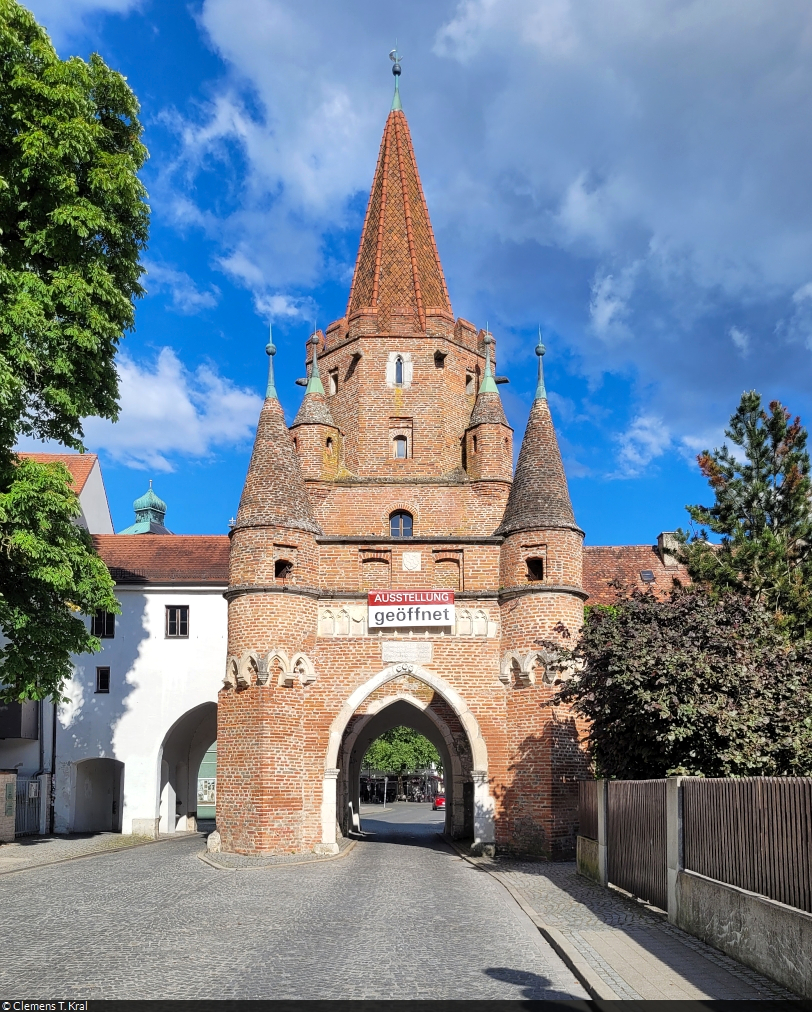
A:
<point x="403" y="609"/>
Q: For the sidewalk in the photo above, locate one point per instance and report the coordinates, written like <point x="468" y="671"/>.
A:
<point x="35" y="851"/>
<point x="618" y="947"/>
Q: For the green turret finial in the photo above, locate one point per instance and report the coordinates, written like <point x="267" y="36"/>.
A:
<point x="541" y="391"/>
<point x="270" y="348"/>
<point x="488" y="384"/>
<point x="314" y="385"/>
<point x="395" y="57"/>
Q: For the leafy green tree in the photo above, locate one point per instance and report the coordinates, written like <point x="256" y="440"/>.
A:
<point x="402" y="750"/>
<point x="763" y="512"/>
<point x="73" y="222"/>
<point x="51" y="576"/>
<point x="698" y="684"/>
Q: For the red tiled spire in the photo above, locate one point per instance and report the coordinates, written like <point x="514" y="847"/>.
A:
<point x="398" y="266"/>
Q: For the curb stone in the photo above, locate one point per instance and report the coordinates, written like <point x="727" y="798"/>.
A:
<point x="204" y="857"/>
<point x="595" y="986"/>
<point x="170" y="838"/>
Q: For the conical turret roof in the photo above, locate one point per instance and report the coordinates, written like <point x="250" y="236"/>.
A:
<point x="488" y="407"/>
<point x="314" y="409"/>
<point x="539" y="496"/>
<point x="274" y="494"/>
<point x="398" y="267"/>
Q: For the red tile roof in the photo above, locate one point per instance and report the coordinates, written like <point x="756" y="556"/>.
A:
<point x="79" y="464"/>
<point x="165" y="558"/>
<point x="606" y="567"/>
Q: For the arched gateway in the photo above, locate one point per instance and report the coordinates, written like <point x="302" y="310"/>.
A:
<point x="387" y="566"/>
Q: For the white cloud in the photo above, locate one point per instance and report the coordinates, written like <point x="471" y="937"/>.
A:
<point x="650" y="153"/>
<point x="65" y="19"/>
<point x="647" y="438"/>
<point x="741" y="339"/>
<point x="187" y="298"/>
<point x="168" y="412"/>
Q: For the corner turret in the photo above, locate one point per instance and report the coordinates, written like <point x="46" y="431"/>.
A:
<point x="316" y="437"/>
<point x="488" y="438"/>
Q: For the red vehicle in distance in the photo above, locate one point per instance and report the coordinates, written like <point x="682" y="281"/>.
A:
<point x="439" y="802"/>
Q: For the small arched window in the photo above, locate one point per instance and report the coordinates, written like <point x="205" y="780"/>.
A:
<point x="282" y="569"/>
<point x="329" y="444"/>
<point x="401" y="447"/>
<point x="398" y="371"/>
<point x="400" y="524"/>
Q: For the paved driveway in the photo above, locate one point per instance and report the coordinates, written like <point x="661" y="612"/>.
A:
<point x="400" y="916"/>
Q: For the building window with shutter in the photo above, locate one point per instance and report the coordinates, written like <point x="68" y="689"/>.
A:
<point x="102" y="679"/>
<point x="103" y="625"/>
<point x="177" y="621"/>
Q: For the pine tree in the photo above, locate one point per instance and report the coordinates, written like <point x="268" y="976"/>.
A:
<point x="763" y="512"/>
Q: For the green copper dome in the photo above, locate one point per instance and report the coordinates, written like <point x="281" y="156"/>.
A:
<point x="150" y="512"/>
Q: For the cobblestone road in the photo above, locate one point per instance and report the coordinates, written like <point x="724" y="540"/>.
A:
<point x="397" y="917"/>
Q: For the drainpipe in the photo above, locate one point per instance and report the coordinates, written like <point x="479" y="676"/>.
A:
<point x="52" y="799"/>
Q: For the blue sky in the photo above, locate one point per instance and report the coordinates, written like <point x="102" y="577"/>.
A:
<point x="632" y="175"/>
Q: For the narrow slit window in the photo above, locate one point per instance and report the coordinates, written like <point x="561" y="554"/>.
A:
<point x="398" y="372"/>
<point x="469" y="383"/>
<point x="401" y="447"/>
<point x="103" y="625"/>
<point x="102" y="679"/>
<point x="333" y="381"/>
<point x="177" y="621"/>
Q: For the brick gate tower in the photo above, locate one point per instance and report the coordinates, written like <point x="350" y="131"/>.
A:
<point x="388" y="567"/>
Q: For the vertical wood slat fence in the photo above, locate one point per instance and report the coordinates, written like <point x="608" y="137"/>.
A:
<point x="636" y="838"/>
<point x="754" y="832"/>
<point x="588" y="809"/>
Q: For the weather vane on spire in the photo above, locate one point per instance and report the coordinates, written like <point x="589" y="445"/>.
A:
<point x="395" y="57"/>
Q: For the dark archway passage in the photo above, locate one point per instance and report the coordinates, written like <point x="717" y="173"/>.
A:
<point x="184" y="746"/>
<point x="429" y="715"/>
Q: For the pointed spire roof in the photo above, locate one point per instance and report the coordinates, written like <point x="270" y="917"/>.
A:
<point x="539" y="496"/>
<point x="314" y="409"/>
<point x="398" y="266"/>
<point x="488" y="407"/>
<point x="274" y="494"/>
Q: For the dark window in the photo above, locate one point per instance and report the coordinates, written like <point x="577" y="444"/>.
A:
<point x="282" y="569"/>
<point x="103" y="625"/>
<point x="177" y="621"/>
<point x="399" y="371"/>
<point x="102" y="679"/>
<point x="474" y="444"/>
<point x="329" y="444"/>
<point x="400" y="524"/>
<point x="535" y="569"/>
<point x="401" y="447"/>
<point x="647" y="576"/>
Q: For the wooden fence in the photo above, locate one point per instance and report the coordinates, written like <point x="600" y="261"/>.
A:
<point x="588" y="809"/>
<point x="636" y="838"/>
<point x="755" y="833"/>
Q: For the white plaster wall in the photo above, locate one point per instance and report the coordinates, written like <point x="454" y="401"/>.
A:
<point x="153" y="682"/>
<point x="95" y="508"/>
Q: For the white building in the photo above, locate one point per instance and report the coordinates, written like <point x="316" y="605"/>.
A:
<point x="143" y="711"/>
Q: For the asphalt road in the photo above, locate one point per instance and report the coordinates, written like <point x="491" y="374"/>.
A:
<point x="400" y="916"/>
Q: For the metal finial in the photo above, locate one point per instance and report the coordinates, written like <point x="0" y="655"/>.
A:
<point x="395" y="57"/>
<point x="314" y="384"/>
<point x="270" y="350"/>
<point x="488" y="384"/>
<point x="541" y="391"/>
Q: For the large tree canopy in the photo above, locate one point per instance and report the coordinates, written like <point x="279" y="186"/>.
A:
<point x="73" y="222"/>
<point x="763" y="512"/>
<point x="699" y="684"/>
<point x="401" y="750"/>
